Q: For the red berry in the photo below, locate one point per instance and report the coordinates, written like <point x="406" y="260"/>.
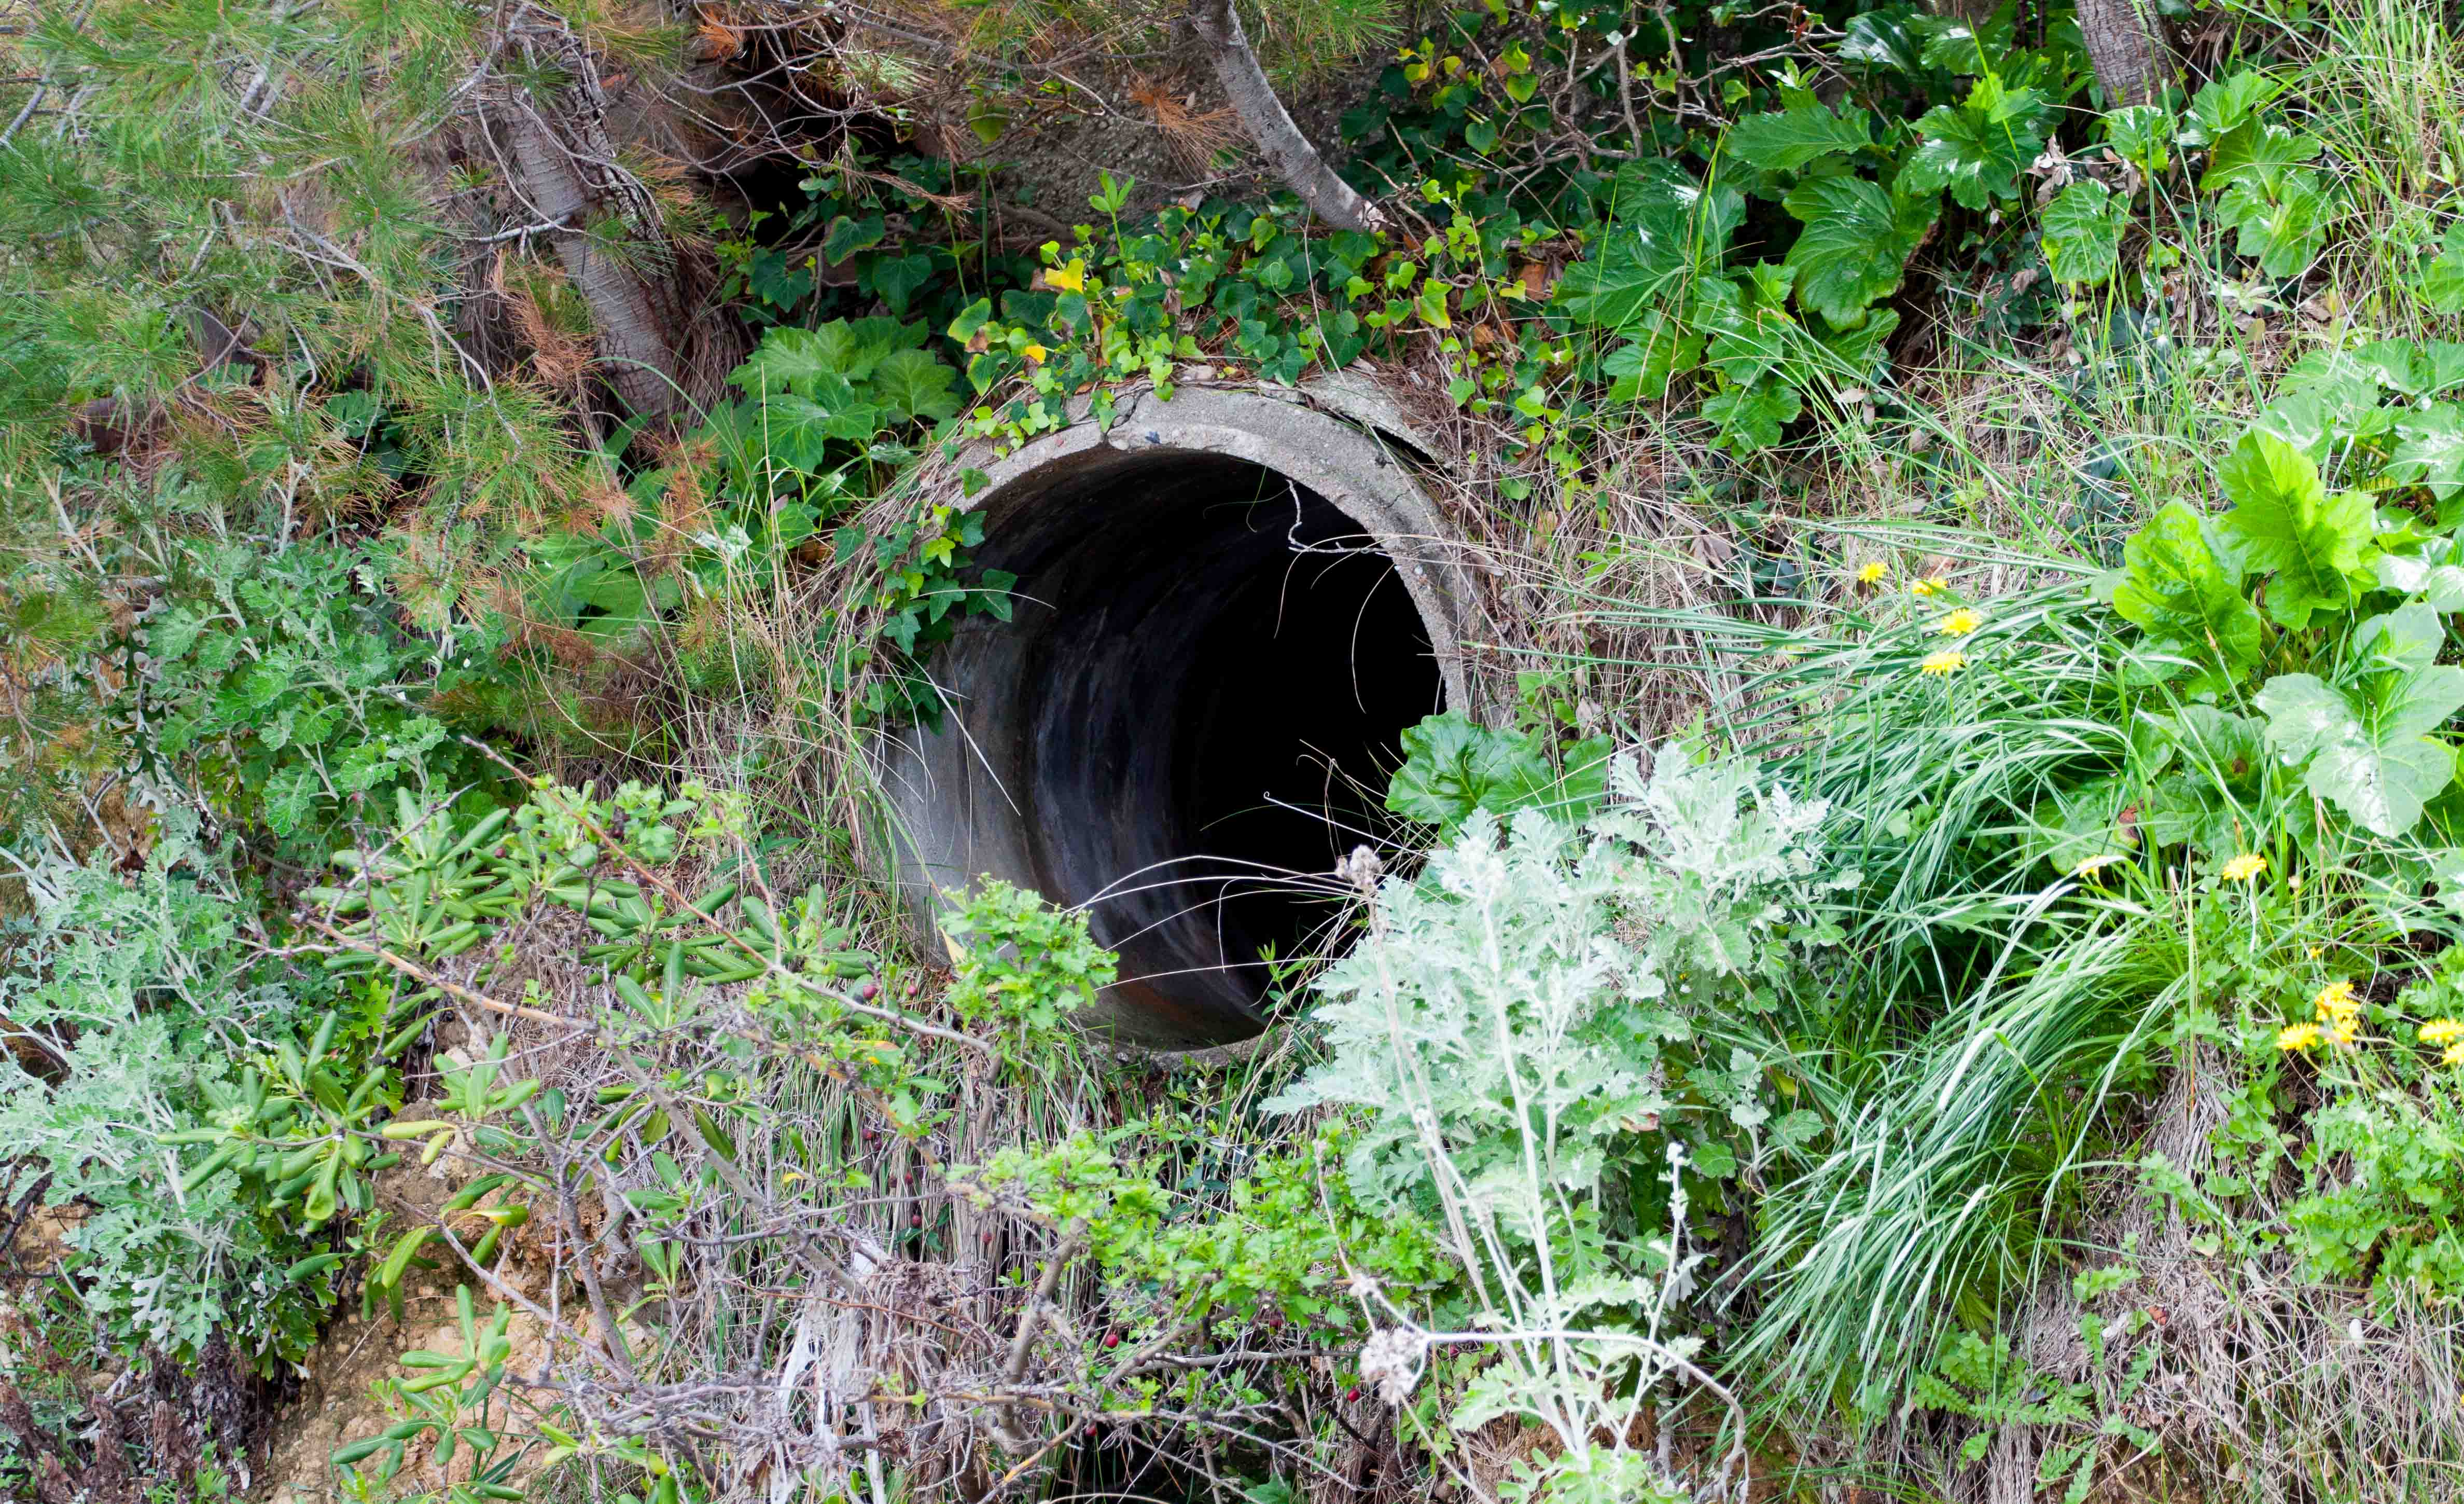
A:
<point x="869" y="991"/>
<point x="917" y="1219"/>
<point x="1112" y="1340"/>
<point x="1351" y="1396"/>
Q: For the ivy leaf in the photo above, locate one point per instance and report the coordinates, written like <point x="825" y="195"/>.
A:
<point x="2429" y="450"/>
<point x="2180" y="587"/>
<point x="1787" y="141"/>
<point x="2288" y="525"/>
<point x="2369" y="753"/>
<point x="913" y="383"/>
<point x="897" y="278"/>
<point x="2082" y="233"/>
<point x="847" y="237"/>
<point x="1751" y="417"/>
<point x="1978" y="149"/>
<point x="1855" y="246"/>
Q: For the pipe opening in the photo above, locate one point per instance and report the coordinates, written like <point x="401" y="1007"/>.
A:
<point x="1191" y="716"/>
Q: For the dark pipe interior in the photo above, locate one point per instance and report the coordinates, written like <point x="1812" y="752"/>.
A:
<point x="1218" y="669"/>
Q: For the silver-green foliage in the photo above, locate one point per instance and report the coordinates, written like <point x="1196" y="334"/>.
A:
<point x="1534" y="1008"/>
<point x="130" y="998"/>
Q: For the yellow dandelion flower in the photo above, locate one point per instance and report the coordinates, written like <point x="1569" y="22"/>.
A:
<point x="2442" y="1031"/>
<point x="1959" y="623"/>
<point x="1930" y="585"/>
<point x="1035" y="353"/>
<point x="1939" y="665"/>
<point x="2297" y="1036"/>
<point x="2096" y="864"/>
<point x="1071" y="278"/>
<point x="2243" y="867"/>
<point x="2454" y="1055"/>
<point x="2336" y="997"/>
<point x="1872" y="573"/>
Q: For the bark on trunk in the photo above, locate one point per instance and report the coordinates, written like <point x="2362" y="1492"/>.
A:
<point x="563" y="166"/>
<point x="1270" y="126"/>
<point x="2129" y="53"/>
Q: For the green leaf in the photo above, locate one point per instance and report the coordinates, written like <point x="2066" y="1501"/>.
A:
<point x="1787" y="141"/>
<point x="912" y="383"/>
<point x="2429" y="450"/>
<point x="2430" y="574"/>
<point x="2181" y="588"/>
<point x="1452" y="767"/>
<point x="2290" y="527"/>
<point x="2226" y="105"/>
<point x="2280" y="224"/>
<point x="2142" y="134"/>
<point x="2442" y="280"/>
<point x="1668" y="232"/>
<point x="898" y="279"/>
<point x="2082" y="233"/>
<point x="1751" y="417"/>
<point x="1664" y="349"/>
<point x="2369" y="752"/>
<point x="1855" y="246"/>
<point x="847" y="237"/>
<point x="1978" y="149"/>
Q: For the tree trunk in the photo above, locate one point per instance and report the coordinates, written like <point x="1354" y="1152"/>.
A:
<point x="1270" y="126"/>
<point x="562" y="167"/>
<point x="2129" y="53"/>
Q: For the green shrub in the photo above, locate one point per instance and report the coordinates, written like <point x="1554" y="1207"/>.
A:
<point x="131" y="1005"/>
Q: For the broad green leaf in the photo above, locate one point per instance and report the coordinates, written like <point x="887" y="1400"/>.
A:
<point x="2263" y="157"/>
<point x="787" y="360"/>
<point x="2442" y="280"/>
<point x="2179" y="586"/>
<point x="2082" y="233"/>
<point x="2289" y="527"/>
<point x="2281" y="225"/>
<point x="1788" y="140"/>
<point x="2369" y="748"/>
<point x="2327" y="414"/>
<point x="1452" y="767"/>
<point x="2226" y="105"/>
<point x="1751" y="417"/>
<point x="1664" y="349"/>
<point x="2429" y="450"/>
<point x="1668" y="232"/>
<point x="1955" y="46"/>
<point x="1883" y="39"/>
<point x="2143" y="134"/>
<point x="913" y="383"/>
<point x="2430" y="574"/>
<point x="1855" y="246"/>
<point x="1977" y="149"/>
<point x="1753" y="331"/>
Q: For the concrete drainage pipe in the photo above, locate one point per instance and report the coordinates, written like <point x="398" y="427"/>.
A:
<point x="1228" y="608"/>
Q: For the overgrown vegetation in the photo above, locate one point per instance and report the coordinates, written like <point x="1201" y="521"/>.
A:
<point x="1927" y="965"/>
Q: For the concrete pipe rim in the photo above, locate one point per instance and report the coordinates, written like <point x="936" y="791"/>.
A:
<point x="1185" y="553"/>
